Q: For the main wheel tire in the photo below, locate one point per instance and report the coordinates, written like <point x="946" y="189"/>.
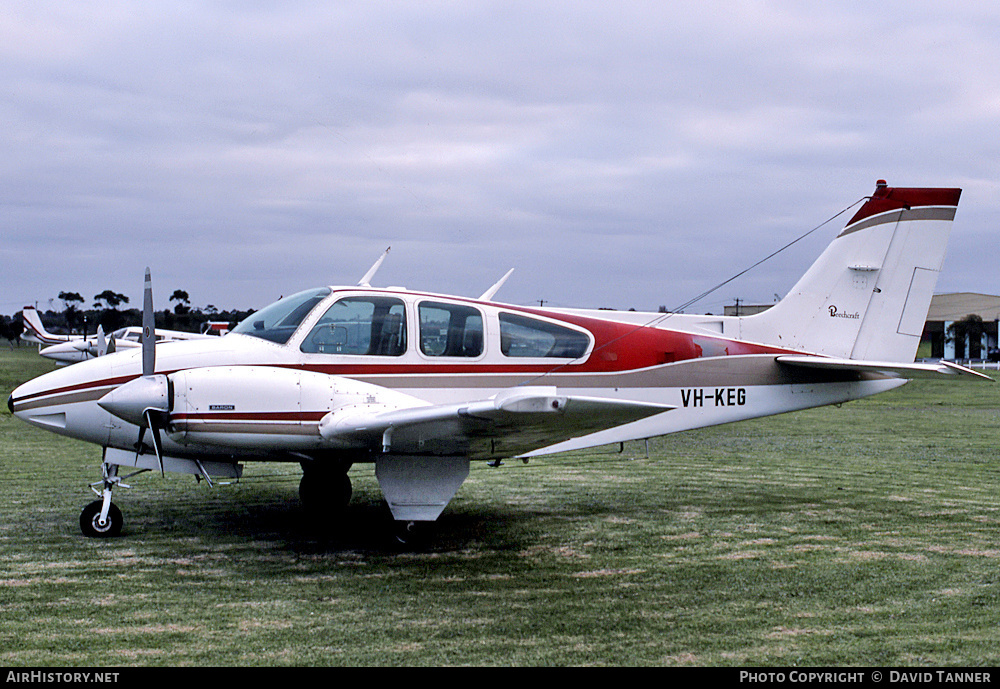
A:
<point x="411" y="535"/>
<point x="325" y="494"/>
<point x="90" y="521"/>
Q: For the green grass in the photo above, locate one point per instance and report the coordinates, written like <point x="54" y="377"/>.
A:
<point x="860" y="535"/>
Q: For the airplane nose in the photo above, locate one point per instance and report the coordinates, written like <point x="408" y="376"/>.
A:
<point x="10" y="403"/>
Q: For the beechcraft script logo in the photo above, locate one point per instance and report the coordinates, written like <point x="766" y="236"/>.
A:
<point x="834" y="313"/>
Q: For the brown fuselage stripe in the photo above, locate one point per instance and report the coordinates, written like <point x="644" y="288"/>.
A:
<point x="900" y="215"/>
<point x="744" y="370"/>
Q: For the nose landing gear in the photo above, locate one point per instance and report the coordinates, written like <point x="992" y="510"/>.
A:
<point x="101" y="518"/>
<point x="94" y="524"/>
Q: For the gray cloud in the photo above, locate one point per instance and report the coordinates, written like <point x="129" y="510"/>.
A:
<point x="615" y="156"/>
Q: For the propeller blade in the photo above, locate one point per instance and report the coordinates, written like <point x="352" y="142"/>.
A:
<point x="152" y="419"/>
<point x="102" y="342"/>
<point x="138" y="443"/>
<point x="150" y="393"/>
<point x="148" y="329"/>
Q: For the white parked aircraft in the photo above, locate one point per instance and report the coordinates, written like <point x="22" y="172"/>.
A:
<point x="421" y="384"/>
<point x="34" y="331"/>
<point x="70" y="349"/>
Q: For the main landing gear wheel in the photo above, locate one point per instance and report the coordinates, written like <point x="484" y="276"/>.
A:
<point x="412" y="535"/>
<point x="324" y="493"/>
<point x="93" y="527"/>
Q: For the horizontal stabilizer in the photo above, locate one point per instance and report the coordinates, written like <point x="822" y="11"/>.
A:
<point x="896" y="369"/>
<point x="510" y="423"/>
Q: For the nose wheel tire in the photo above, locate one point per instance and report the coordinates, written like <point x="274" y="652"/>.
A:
<point x="91" y="525"/>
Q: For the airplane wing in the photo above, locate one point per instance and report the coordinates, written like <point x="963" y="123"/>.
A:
<point x="511" y="423"/>
<point x="896" y="369"/>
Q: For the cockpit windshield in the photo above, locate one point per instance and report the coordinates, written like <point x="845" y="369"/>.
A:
<point x="278" y="321"/>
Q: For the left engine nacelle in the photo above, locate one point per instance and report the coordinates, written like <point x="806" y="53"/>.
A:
<point x="266" y="408"/>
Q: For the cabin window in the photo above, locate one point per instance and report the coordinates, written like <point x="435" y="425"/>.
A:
<point x="364" y="325"/>
<point x="521" y="336"/>
<point x="278" y="321"/>
<point x="450" y="330"/>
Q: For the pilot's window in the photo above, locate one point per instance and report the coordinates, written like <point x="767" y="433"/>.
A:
<point x="278" y="321"/>
<point x="521" y="336"/>
<point x="450" y="330"/>
<point x="364" y="325"/>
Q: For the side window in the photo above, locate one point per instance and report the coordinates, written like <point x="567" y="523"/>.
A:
<point x="521" y="336"/>
<point x="450" y="330"/>
<point x="364" y="325"/>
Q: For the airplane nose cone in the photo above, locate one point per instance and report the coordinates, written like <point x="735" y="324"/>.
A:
<point x="10" y="403"/>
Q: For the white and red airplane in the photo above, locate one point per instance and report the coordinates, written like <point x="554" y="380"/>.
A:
<point x="421" y="384"/>
<point x="71" y="349"/>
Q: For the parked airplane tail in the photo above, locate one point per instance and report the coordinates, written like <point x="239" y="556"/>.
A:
<point x="867" y="296"/>
<point x="34" y="331"/>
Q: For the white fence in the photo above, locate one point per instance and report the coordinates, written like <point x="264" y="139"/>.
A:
<point x="979" y="363"/>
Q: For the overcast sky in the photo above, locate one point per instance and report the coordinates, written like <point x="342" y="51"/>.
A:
<point x="615" y="154"/>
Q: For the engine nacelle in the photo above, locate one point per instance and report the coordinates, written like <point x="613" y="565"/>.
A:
<point x="244" y="407"/>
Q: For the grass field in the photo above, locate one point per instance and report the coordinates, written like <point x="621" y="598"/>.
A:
<point x="860" y="535"/>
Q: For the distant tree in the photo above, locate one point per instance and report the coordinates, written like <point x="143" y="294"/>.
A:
<point x="68" y="298"/>
<point x="10" y="329"/>
<point x="970" y="329"/>
<point x="182" y="299"/>
<point x="71" y="311"/>
<point x="110" y="318"/>
<point x="112" y="300"/>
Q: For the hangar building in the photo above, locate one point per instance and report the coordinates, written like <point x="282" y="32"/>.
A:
<point x="942" y="339"/>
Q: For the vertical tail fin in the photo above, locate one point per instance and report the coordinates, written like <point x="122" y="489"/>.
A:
<point x="867" y="295"/>
<point x="34" y="331"/>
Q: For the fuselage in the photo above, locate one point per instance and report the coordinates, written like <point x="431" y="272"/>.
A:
<point x="262" y="390"/>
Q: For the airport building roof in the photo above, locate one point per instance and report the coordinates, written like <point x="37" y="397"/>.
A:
<point x="957" y="305"/>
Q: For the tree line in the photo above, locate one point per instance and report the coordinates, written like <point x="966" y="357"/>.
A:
<point x="110" y="311"/>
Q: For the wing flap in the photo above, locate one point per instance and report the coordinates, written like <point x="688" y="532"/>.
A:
<point x="510" y="423"/>
<point x="895" y="369"/>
